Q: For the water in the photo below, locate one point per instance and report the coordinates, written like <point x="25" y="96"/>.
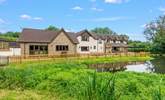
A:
<point x="156" y="65"/>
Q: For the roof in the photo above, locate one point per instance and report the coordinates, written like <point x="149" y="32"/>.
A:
<point x="72" y="36"/>
<point x="119" y="45"/>
<point x="103" y="36"/>
<point x="86" y="31"/>
<point x="47" y="36"/>
<point x="43" y="36"/>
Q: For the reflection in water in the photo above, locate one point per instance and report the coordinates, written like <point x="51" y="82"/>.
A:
<point x="159" y="65"/>
<point x="143" y="67"/>
<point x="156" y="66"/>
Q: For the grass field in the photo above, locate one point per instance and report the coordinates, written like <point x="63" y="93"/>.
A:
<point x="71" y="79"/>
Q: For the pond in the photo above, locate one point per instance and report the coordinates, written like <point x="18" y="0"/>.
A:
<point x="156" y="65"/>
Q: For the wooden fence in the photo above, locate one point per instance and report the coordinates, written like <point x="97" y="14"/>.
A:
<point x="4" y="60"/>
<point x="20" y="59"/>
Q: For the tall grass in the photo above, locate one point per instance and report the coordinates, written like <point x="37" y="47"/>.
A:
<point x="98" y="88"/>
<point x="157" y="93"/>
<point x="74" y="80"/>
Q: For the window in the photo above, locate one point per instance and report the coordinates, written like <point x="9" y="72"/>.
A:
<point x="94" y="47"/>
<point x="110" y="41"/>
<point x="124" y="42"/>
<point x="85" y="48"/>
<point x="100" y="41"/>
<point x="62" y="48"/>
<point x="84" y="38"/>
<point x="38" y="49"/>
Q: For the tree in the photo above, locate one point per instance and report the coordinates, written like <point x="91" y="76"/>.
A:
<point x="12" y="34"/>
<point x="155" y="33"/>
<point x="52" y="28"/>
<point x="138" y="46"/>
<point x="105" y="30"/>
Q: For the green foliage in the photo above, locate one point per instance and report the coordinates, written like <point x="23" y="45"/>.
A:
<point x="105" y="30"/>
<point x="138" y="46"/>
<point x="155" y="32"/>
<point x="8" y="38"/>
<point x="157" y="94"/>
<point x="52" y="28"/>
<point x="11" y="36"/>
<point x="98" y="88"/>
<point x="72" y="79"/>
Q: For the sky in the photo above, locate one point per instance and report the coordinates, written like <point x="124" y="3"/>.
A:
<point x="122" y="16"/>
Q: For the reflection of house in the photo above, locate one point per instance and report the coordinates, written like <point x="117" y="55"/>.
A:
<point x="9" y="48"/>
<point x="35" y="41"/>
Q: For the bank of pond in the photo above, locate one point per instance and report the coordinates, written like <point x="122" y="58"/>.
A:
<point x="87" y="79"/>
<point x="156" y="65"/>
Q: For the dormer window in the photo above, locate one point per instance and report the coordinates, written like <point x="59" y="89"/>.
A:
<point x="111" y="42"/>
<point x="124" y="42"/>
<point x="84" y="38"/>
<point x="100" y="41"/>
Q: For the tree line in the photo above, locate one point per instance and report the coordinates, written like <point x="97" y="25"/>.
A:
<point x="154" y="33"/>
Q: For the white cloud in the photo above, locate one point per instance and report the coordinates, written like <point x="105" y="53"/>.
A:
<point x="162" y="9"/>
<point x="97" y="9"/>
<point x="26" y="17"/>
<point x="2" y="21"/>
<point x="1" y="1"/>
<point x="38" y="19"/>
<point x="77" y="8"/>
<point x="115" y="1"/>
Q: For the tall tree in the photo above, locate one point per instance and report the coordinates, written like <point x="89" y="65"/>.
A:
<point x="155" y="32"/>
<point x="100" y="30"/>
<point x="52" y="28"/>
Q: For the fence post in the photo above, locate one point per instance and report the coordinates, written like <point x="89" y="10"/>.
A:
<point x="8" y="60"/>
<point x="0" y="60"/>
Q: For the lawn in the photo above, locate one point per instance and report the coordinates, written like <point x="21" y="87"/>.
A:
<point x="73" y="80"/>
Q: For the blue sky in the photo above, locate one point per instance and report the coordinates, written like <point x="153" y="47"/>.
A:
<point x="123" y="16"/>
